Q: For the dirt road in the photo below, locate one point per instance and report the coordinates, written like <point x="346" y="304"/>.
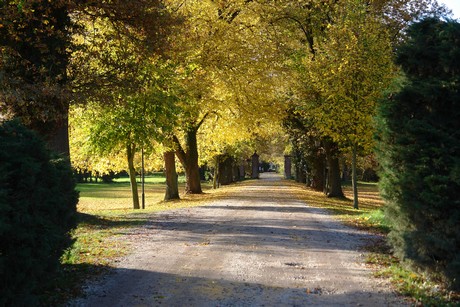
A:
<point x="257" y="247"/>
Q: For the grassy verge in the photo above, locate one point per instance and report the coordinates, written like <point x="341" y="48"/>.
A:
<point x="369" y="216"/>
<point x="418" y="287"/>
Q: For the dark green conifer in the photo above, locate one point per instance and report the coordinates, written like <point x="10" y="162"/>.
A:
<point x="419" y="150"/>
<point x="37" y="211"/>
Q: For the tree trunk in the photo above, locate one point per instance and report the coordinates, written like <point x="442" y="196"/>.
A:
<point x="226" y="170"/>
<point x="58" y="140"/>
<point x="215" y="178"/>
<point x="172" y="187"/>
<point x="255" y="166"/>
<point x="318" y="181"/>
<point x="334" y="180"/>
<point x="287" y="167"/>
<point x="235" y="172"/>
<point x="301" y="175"/>
<point x="193" y="185"/>
<point x="241" y="171"/>
<point x="132" y="175"/>
<point x="189" y="160"/>
<point x="354" y="180"/>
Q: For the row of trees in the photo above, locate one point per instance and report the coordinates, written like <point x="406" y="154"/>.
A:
<point x="216" y="75"/>
<point x="346" y="85"/>
<point x="153" y="74"/>
<point x="356" y="92"/>
<point x="343" y="70"/>
<point x="167" y="76"/>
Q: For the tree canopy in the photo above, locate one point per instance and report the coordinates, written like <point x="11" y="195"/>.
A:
<point x="235" y="71"/>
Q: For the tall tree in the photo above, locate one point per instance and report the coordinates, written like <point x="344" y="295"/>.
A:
<point x="222" y="60"/>
<point x="132" y="124"/>
<point x="300" y="26"/>
<point x="35" y="43"/>
<point x="172" y="189"/>
<point x="350" y="69"/>
<point x="119" y="65"/>
<point x="130" y="119"/>
<point x="419" y="150"/>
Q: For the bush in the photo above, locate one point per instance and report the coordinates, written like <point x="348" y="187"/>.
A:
<point x="419" y="151"/>
<point x="37" y="211"/>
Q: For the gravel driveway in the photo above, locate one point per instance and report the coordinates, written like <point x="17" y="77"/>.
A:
<point x="259" y="246"/>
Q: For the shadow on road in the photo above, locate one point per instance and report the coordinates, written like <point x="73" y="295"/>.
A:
<point x="236" y="233"/>
<point x="146" y="288"/>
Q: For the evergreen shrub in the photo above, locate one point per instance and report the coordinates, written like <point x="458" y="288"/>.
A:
<point x="37" y="211"/>
<point x="419" y="151"/>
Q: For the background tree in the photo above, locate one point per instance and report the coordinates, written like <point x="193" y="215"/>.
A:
<point x="350" y="69"/>
<point x="419" y="150"/>
<point x="130" y="124"/>
<point x="224" y="56"/>
<point x="307" y="150"/>
<point x="301" y="27"/>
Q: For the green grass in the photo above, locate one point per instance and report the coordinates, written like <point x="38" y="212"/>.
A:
<point x="423" y="290"/>
<point x="96" y="197"/>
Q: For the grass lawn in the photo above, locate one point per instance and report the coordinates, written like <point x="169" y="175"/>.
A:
<point x="97" y="197"/>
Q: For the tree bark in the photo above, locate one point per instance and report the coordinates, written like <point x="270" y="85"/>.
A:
<point x="318" y="181"/>
<point x="172" y="187"/>
<point x="301" y="175"/>
<point x="215" y="178"/>
<point x="226" y="170"/>
<point x="188" y="157"/>
<point x="354" y="180"/>
<point x="241" y="171"/>
<point x="255" y="166"/>
<point x="58" y="140"/>
<point x="334" y="180"/>
<point x="131" y="149"/>
<point x="189" y="160"/>
<point x="287" y="167"/>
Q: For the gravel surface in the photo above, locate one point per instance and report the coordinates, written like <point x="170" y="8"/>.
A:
<point x="259" y="246"/>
